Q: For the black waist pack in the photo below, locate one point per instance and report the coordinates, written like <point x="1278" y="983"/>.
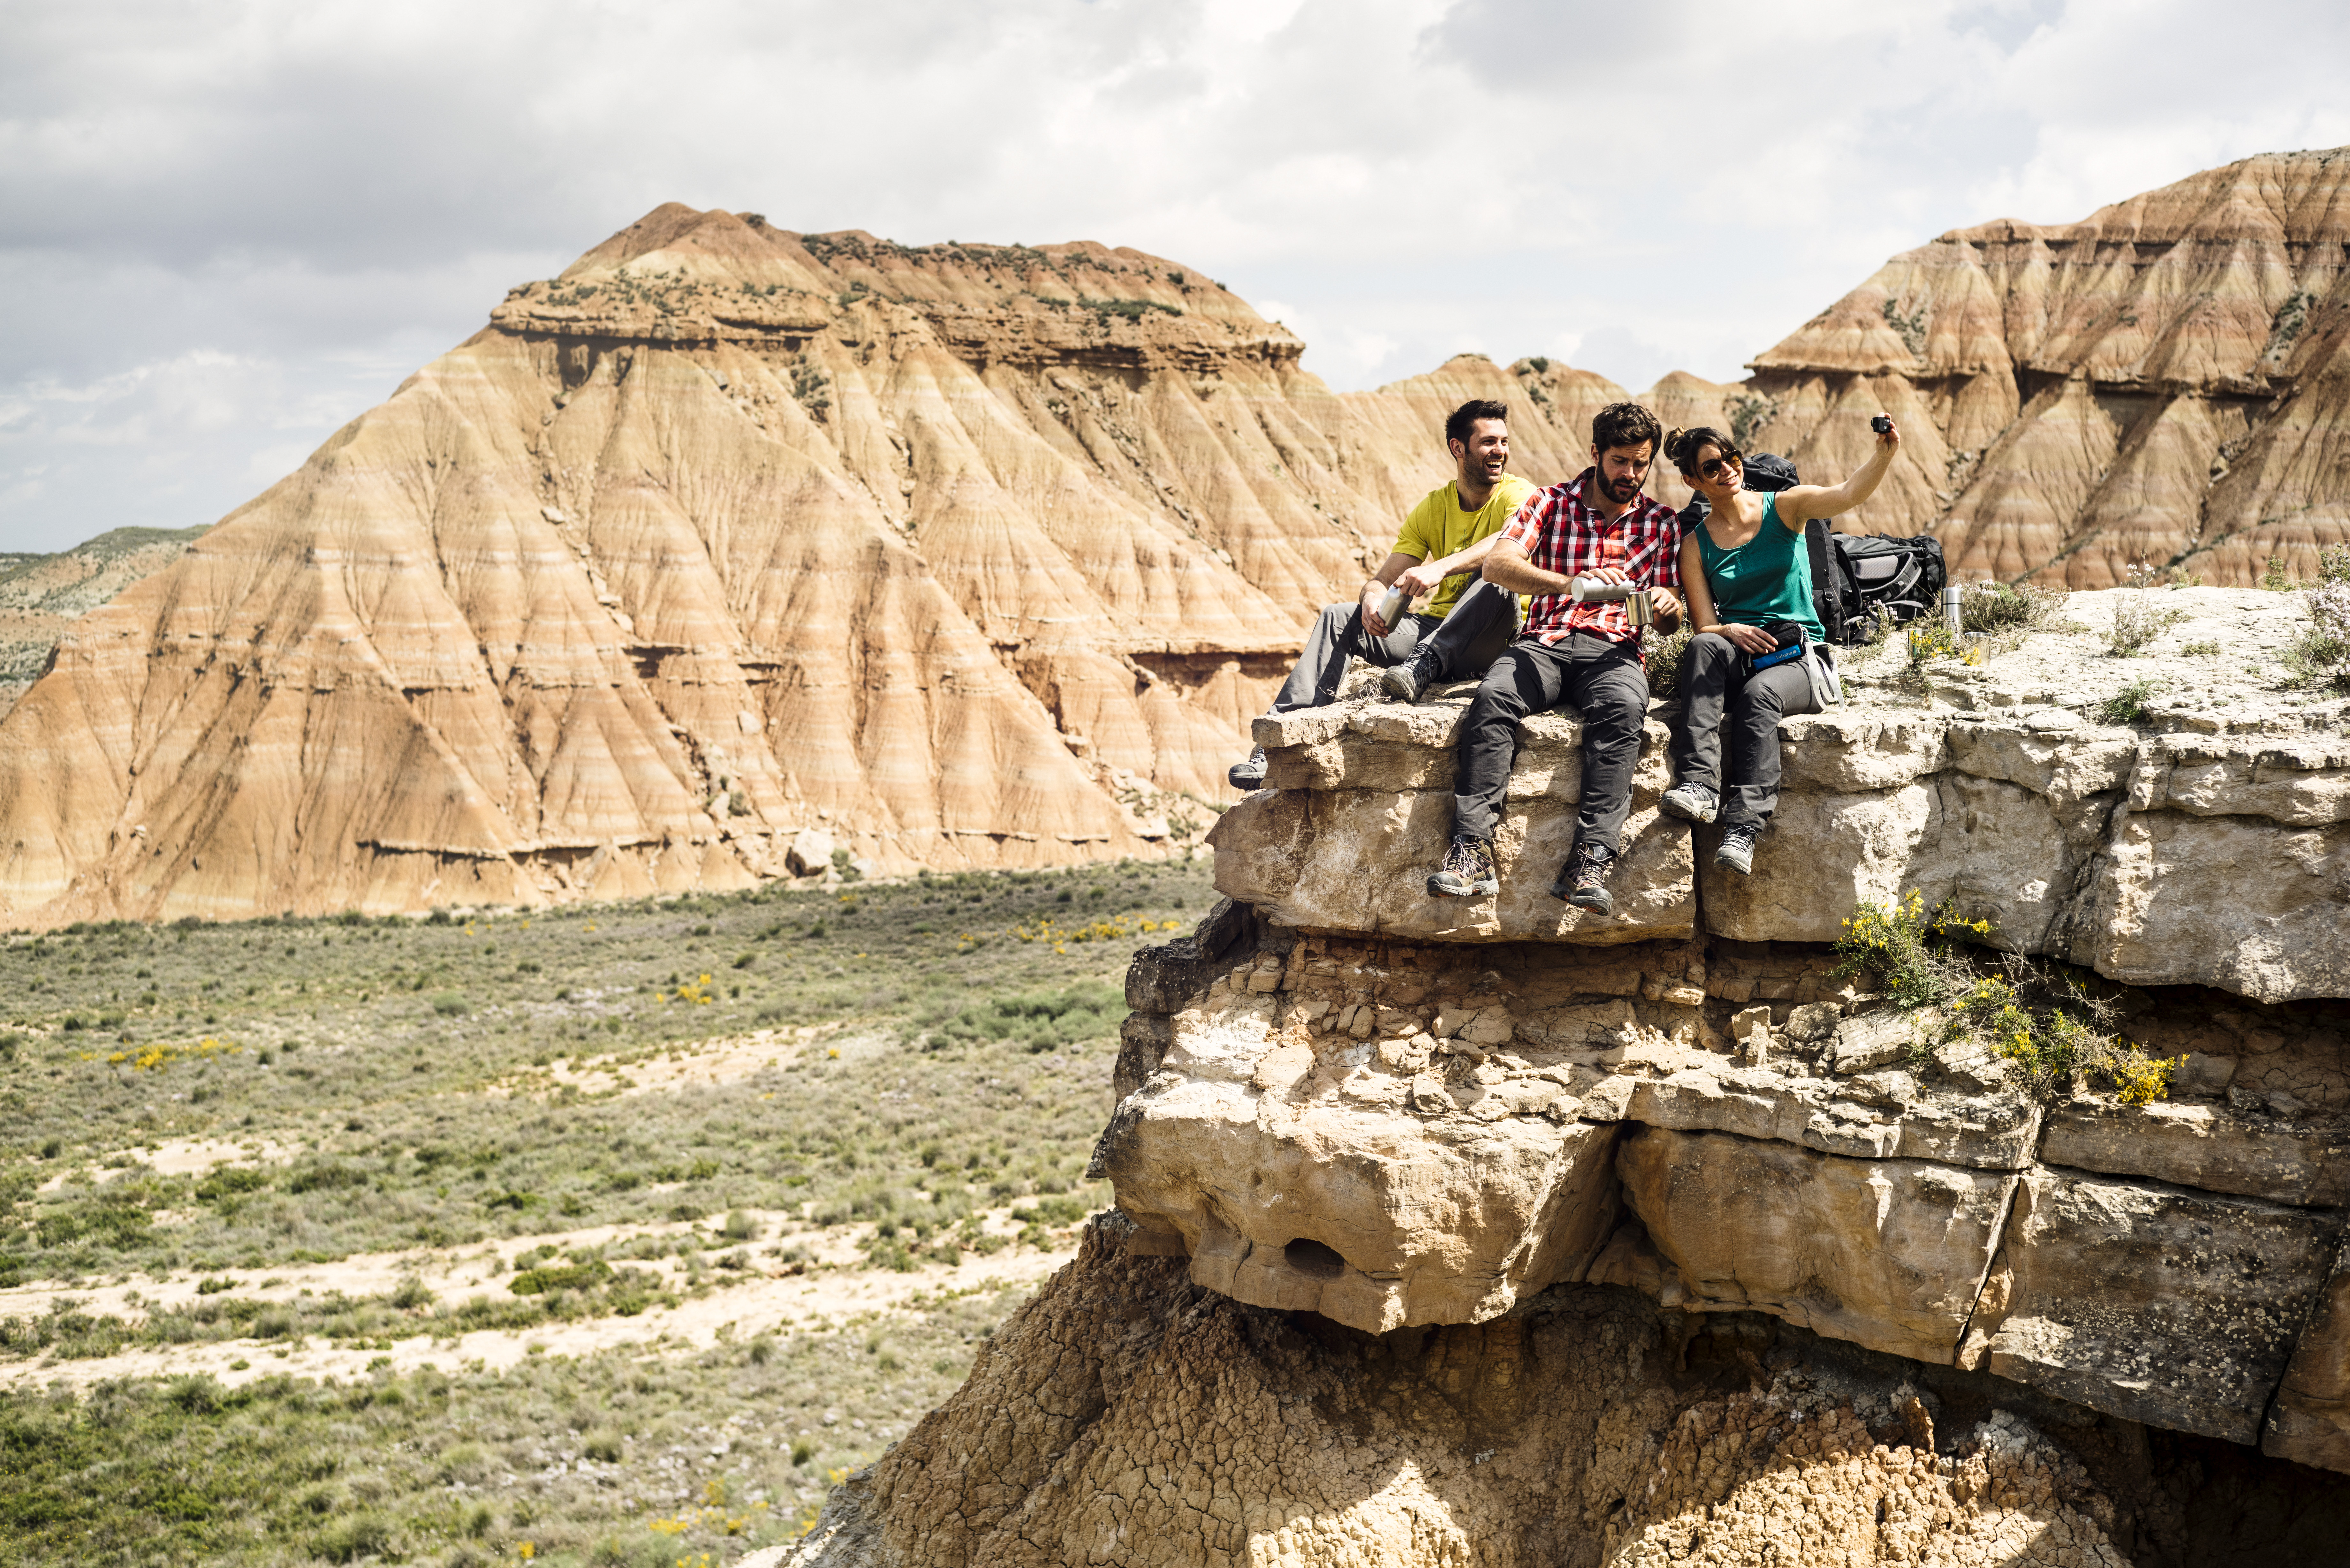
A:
<point x="1790" y="636"/>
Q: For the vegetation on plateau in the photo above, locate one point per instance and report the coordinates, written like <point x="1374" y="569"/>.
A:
<point x="595" y="1115"/>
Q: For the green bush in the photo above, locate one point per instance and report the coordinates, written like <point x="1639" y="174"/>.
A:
<point x="448" y="1004"/>
<point x="1040" y="1019"/>
<point x="572" y="1276"/>
<point x="2052" y="1046"/>
<point x="2138" y="619"/>
<point x="349" y="1540"/>
<point x="1895" y="942"/>
<point x="2129" y="705"/>
<point x="1662" y="652"/>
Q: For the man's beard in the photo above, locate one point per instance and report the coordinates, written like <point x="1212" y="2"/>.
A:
<point x="1620" y="490"/>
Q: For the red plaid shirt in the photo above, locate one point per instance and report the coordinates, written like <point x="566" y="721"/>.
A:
<point x="1560" y="533"/>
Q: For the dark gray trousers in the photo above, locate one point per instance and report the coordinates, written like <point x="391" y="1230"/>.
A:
<point x="1710" y="689"/>
<point x="1482" y="621"/>
<point x="1604" y="681"/>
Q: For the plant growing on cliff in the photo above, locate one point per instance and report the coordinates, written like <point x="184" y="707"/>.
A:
<point x="2127" y="706"/>
<point x="2008" y="612"/>
<point x="1908" y="948"/>
<point x="2320" y="656"/>
<point x="2138" y="618"/>
<point x="2052" y="1046"/>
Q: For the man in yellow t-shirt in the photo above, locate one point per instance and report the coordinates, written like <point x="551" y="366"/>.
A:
<point x="1465" y="623"/>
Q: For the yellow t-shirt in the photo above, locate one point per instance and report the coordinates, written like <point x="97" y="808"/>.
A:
<point x="1438" y="526"/>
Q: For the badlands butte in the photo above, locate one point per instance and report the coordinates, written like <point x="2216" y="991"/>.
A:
<point x="733" y="549"/>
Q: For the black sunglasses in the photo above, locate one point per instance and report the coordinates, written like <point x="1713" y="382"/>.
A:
<point x="1715" y="467"/>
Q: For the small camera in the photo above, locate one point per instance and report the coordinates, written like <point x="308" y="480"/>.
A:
<point x="1882" y="424"/>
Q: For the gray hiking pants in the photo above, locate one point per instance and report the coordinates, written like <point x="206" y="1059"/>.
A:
<point x="1711" y="689"/>
<point x="1604" y="681"/>
<point x="1482" y="621"/>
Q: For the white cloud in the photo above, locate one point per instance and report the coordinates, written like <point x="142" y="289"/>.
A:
<point x="327" y="192"/>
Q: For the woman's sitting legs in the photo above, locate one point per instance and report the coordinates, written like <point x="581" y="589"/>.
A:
<point x="1710" y="666"/>
<point x="1755" y="709"/>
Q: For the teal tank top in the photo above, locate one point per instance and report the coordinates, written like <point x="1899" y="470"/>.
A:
<point x="1767" y="578"/>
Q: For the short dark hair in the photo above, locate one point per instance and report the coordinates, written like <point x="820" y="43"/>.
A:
<point x="1463" y="422"/>
<point x="1683" y="446"/>
<point x="1622" y="426"/>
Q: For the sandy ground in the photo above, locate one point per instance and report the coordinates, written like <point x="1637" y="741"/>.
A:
<point x="187" y="1156"/>
<point x="701" y="1064"/>
<point x="833" y="1287"/>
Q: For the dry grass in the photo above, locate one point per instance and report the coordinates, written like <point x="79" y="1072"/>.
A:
<point x="331" y="1151"/>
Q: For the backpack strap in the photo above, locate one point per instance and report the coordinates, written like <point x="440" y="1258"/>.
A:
<point x="1828" y="584"/>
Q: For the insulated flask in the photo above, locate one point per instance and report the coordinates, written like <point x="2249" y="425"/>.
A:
<point x="1391" y="607"/>
<point x="1631" y="596"/>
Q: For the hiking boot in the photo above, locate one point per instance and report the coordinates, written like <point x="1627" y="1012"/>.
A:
<point x="1582" y="880"/>
<point x="1250" y="774"/>
<point x="1468" y="871"/>
<point x="1737" y="850"/>
<point x="1409" y="682"/>
<point x="1690" y="803"/>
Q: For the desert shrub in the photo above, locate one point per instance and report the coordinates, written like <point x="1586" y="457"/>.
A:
<point x="448" y="1004"/>
<point x="1990" y="607"/>
<point x="2002" y="615"/>
<point x="350" y="1538"/>
<point x="2052" y="1045"/>
<point x="2129" y="705"/>
<point x="2320" y="656"/>
<point x="2138" y="618"/>
<point x="1042" y="1019"/>
<point x="1897" y="943"/>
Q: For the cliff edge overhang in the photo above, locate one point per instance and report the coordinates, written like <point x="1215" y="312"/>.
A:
<point x="1342" y="1096"/>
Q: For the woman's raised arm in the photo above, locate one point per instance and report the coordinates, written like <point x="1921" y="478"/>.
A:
<point x="1801" y="503"/>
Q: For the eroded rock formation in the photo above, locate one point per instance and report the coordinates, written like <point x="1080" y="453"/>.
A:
<point x="41" y="595"/>
<point x="2208" y="844"/>
<point x="1128" y="1415"/>
<point x="2164" y="383"/>
<point x="727" y="550"/>
<point x="1390" y="1120"/>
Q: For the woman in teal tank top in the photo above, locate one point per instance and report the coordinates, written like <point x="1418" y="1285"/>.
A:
<point x="1744" y="568"/>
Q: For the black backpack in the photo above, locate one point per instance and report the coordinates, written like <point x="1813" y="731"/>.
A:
<point x="1857" y="579"/>
<point x="1881" y="579"/>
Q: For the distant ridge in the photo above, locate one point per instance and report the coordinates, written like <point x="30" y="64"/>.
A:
<point x="729" y="550"/>
<point x="733" y="549"/>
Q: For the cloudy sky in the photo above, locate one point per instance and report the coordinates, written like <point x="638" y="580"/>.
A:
<point x="227" y="226"/>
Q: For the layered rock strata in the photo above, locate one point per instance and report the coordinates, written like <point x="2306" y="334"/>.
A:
<point x="1344" y="1096"/>
<point x="2163" y="384"/>
<point x="2207" y="844"/>
<point x="729" y="550"/>
<point x="1128" y="1415"/>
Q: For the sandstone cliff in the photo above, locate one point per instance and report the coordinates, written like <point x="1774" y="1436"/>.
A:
<point x="2163" y="383"/>
<point x="1652" y="1238"/>
<point x="729" y="550"/>
<point x="1128" y="1417"/>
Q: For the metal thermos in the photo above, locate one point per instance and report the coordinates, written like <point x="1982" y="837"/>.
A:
<point x="1951" y="595"/>
<point x="1631" y="596"/>
<point x="1391" y="607"/>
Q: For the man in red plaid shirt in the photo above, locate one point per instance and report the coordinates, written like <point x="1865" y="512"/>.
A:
<point x="1597" y="525"/>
